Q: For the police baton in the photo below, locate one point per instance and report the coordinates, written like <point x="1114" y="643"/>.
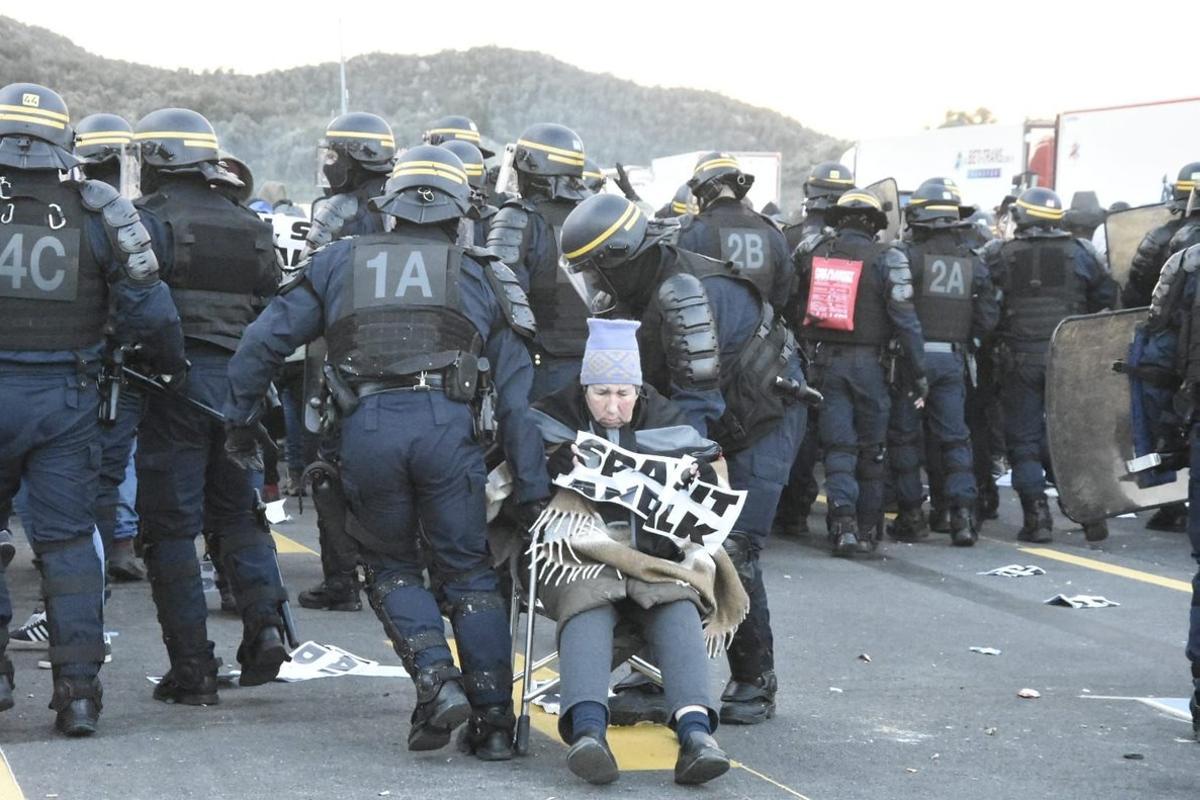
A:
<point x="799" y="390"/>
<point x="285" y="608"/>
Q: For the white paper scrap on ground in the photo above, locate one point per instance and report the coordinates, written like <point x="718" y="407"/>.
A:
<point x="312" y="660"/>
<point x="1006" y="480"/>
<point x="985" y="651"/>
<point x="1081" y="601"/>
<point x="549" y="702"/>
<point x="1015" y="571"/>
<point x="1172" y="706"/>
<point x="276" y="513"/>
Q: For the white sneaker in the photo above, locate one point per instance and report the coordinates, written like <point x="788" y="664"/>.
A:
<point x="33" y="635"/>
<point x="45" y="663"/>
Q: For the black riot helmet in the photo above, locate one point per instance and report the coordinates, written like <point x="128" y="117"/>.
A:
<point x="593" y="177"/>
<point x="600" y="235"/>
<point x="858" y="205"/>
<point x="1188" y="178"/>
<point x="547" y="150"/>
<point x="682" y="203"/>
<point x="101" y="138"/>
<point x="715" y="171"/>
<point x="175" y="138"/>
<point x="449" y="129"/>
<point x="829" y="179"/>
<point x="428" y="185"/>
<point x="241" y="170"/>
<point x="35" y="128"/>
<point x="936" y="203"/>
<point x="471" y="158"/>
<point x="1036" y="207"/>
<point x="353" y="142"/>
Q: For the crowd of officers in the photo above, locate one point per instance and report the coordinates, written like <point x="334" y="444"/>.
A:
<point x="436" y="299"/>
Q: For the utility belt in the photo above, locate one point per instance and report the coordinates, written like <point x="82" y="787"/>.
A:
<point x="945" y="347"/>
<point x="420" y="382"/>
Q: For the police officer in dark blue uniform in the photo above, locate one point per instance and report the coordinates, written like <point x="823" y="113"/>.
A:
<point x="727" y="229"/>
<point x="219" y="260"/>
<point x="956" y="305"/>
<point x="857" y="294"/>
<point x="1155" y="249"/>
<point x="478" y="220"/>
<point x="358" y="151"/>
<point x="826" y="182"/>
<point x="549" y="163"/>
<point x="409" y="316"/>
<point x="712" y="342"/>
<point x="104" y="145"/>
<point x="593" y="177"/>
<point x="75" y="258"/>
<point x="1043" y="275"/>
<point x="682" y="204"/>
<point x="456" y="128"/>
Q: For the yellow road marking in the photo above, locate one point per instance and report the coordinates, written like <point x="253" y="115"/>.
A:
<point x="285" y="545"/>
<point x="9" y="789"/>
<point x="772" y="781"/>
<point x="1111" y="569"/>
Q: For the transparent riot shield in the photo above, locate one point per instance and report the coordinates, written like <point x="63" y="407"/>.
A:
<point x="1088" y="423"/>
<point x="131" y="171"/>
<point x="1124" y="231"/>
<point x="889" y="195"/>
<point x="506" y="179"/>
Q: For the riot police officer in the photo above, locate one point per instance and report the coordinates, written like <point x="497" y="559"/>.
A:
<point x="725" y="228"/>
<point x="219" y="260"/>
<point x="358" y="150"/>
<point x="549" y="162"/>
<point x="456" y="128"/>
<point x="712" y="342"/>
<point x="682" y="204"/>
<point x="1044" y="275"/>
<point x="857" y="295"/>
<point x="104" y="146"/>
<point x="76" y="257"/>
<point x="1155" y="249"/>
<point x="956" y="305"/>
<point x="479" y="217"/>
<point x="593" y="178"/>
<point x="826" y="182"/>
<point x="410" y="316"/>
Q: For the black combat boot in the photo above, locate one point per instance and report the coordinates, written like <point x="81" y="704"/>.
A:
<point x="939" y="519"/>
<point x="1095" y="531"/>
<point x="963" y="530"/>
<point x="749" y="702"/>
<point x="1171" y="518"/>
<point x="442" y="706"/>
<point x="1037" y="526"/>
<point x="488" y="734"/>
<point x="262" y="654"/>
<point x="843" y="533"/>
<point x="78" y="703"/>
<point x="335" y="593"/>
<point x="7" y="683"/>
<point x="909" y="526"/>
<point x="192" y="679"/>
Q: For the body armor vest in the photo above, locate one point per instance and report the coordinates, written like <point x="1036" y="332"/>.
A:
<point x="871" y="322"/>
<point x="1040" y="290"/>
<point x="223" y="263"/>
<point x="561" y="314"/>
<point x="53" y="294"/>
<point x="943" y="275"/>
<point x="731" y="232"/>
<point x="401" y="312"/>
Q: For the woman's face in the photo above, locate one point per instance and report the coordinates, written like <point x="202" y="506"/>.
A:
<point x="611" y="404"/>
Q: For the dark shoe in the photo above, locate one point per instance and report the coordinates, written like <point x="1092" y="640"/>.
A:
<point x="643" y="702"/>
<point x="8" y="548"/>
<point x="1037" y="525"/>
<point x="1194" y="705"/>
<point x="78" y="703"/>
<point x="1170" y="518"/>
<point x="1095" y="531"/>
<point x="189" y="682"/>
<point x="442" y="706"/>
<point x="796" y="523"/>
<point x="262" y="660"/>
<point x="909" y="526"/>
<point x="123" y="565"/>
<point x="591" y="759"/>
<point x="939" y="520"/>
<point x="6" y="684"/>
<point x="488" y="734"/>
<point x="700" y="760"/>
<point x="335" y="593"/>
<point x="843" y="535"/>
<point x="963" y="531"/>
<point x="749" y="703"/>
<point x="987" y="505"/>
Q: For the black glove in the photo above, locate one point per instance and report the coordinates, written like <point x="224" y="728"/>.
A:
<point x="625" y="185"/>
<point x="241" y="446"/>
<point x="525" y="514"/>
<point x="919" y="391"/>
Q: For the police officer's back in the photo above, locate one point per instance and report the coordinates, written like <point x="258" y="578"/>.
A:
<point x="75" y="258"/>
<point x="826" y="182"/>
<point x="478" y="221"/>
<point x="1156" y="247"/>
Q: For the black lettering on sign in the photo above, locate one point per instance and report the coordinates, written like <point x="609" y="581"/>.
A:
<point x="400" y="275"/>
<point x="745" y="247"/>
<point x="949" y="277"/>
<point x="39" y="264"/>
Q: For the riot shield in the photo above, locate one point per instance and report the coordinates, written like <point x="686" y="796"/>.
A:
<point x="1124" y="231"/>
<point x="314" y="384"/>
<point x="1088" y="423"/>
<point x="889" y="195"/>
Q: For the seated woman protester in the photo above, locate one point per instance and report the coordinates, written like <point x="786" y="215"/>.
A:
<point x="598" y="567"/>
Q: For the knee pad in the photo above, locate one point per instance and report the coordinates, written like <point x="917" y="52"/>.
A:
<point x="870" y="464"/>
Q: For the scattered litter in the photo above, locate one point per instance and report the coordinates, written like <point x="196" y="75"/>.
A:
<point x="1081" y="601"/>
<point x="386" y="793"/>
<point x="985" y="651"/>
<point x="1006" y="480"/>
<point x="1029" y="694"/>
<point x="550" y="702"/>
<point x="1134" y="756"/>
<point x="864" y="657"/>
<point x="1015" y="571"/>
<point x="1185" y="741"/>
<point x="935" y="756"/>
<point x="836" y="690"/>
<point x="910" y="770"/>
<point x="276" y="513"/>
<point x="989" y="731"/>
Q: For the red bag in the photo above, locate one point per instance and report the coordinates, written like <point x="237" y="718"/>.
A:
<point x="832" y="290"/>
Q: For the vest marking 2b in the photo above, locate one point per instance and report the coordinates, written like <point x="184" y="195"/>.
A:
<point x="744" y="247"/>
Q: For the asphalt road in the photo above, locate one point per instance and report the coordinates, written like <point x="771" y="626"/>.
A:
<point x="924" y="717"/>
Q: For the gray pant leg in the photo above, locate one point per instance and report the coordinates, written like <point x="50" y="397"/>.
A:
<point x="674" y="632"/>
<point x="585" y="645"/>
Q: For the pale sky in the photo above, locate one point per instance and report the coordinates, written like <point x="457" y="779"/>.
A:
<point x="849" y="69"/>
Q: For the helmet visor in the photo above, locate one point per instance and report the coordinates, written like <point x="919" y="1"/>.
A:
<point x="590" y="284"/>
